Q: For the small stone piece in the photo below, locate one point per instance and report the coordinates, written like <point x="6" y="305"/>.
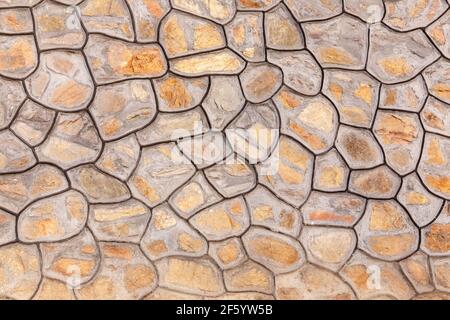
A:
<point x="14" y="154"/>
<point x="14" y="21"/>
<point x="438" y="33"/>
<point x="13" y="95"/>
<point x="282" y="31"/>
<point x="331" y="172"/>
<point x="18" y="56"/>
<point x="441" y="273"/>
<point x="417" y="270"/>
<point x="249" y="276"/>
<point x="435" y="116"/>
<point x="407" y="96"/>
<point x="228" y="253"/>
<point x="436" y="236"/>
<point x="7" y="227"/>
<point x="220" y="11"/>
<point x="305" y="10"/>
<point x="378" y="183"/>
<point x="438" y="79"/>
<point x="260" y="81"/>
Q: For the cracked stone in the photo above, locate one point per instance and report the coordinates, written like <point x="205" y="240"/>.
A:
<point x="228" y="253"/>
<point x="378" y="183"/>
<point x="407" y="96"/>
<point x="147" y="15"/>
<point x="18" y="56"/>
<point x="249" y="276"/>
<point x="331" y="172"/>
<point x="435" y="116"/>
<point x="282" y="31"/>
<point x="14" y="154"/>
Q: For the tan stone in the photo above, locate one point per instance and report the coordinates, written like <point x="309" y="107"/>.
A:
<point x="54" y="290"/>
<point x="249" y="276"/>
<point x="18" y="56"/>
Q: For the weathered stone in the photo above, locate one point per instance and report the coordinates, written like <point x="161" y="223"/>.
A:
<point x="123" y="222"/>
<point x="169" y="235"/>
<point x="119" y="158"/>
<point x="125" y="274"/>
<point x="52" y="219"/>
<point x="359" y="148"/>
<point x="245" y="35"/>
<point x="20" y="270"/>
<point x="260" y="81"/>
<point x="147" y="15"/>
<point x="119" y="109"/>
<point x="438" y="33"/>
<point x="197" y="276"/>
<point x="166" y="294"/>
<point x="386" y="231"/>
<point x="407" y="96"/>
<point x="335" y="209"/>
<point x="441" y="273"/>
<point x="73" y="261"/>
<point x="378" y="183"/>
<point x="391" y="64"/>
<point x="435" y="116"/>
<point x="220" y="11"/>
<point x="176" y="93"/>
<point x="312" y="283"/>
<point x="328" y="247"/>
<point x="417" y="270"/>
<point x="259" y="5"/>
<point x="58" y="26"/>
<point x="223" y="220"/>
<point x="254" y="296"/>
<point x="438" y="79"/>
<point x="305" y="10"/>
<point x="330" y="172"/>
<point x="110" y="17"/>
<point x="282" y="31"/>
<point x="33" y="123"/>
<point x="50" y="289"/>
<point x="249" y="276"/>
<point x="432" y="296"/>
<point x="288" y="172"/>
<point x="313" y="121"/>
<point x="14" y="21"/>
<point x="371" y="11"/>
<point x="14" y="3"/>
<point x="161" y="170"/>
<point x="183" y="34"/>
<point x="113" y="60"/>
<point x="14" y="154"/>
<point x="355" y="94"/>
<point x="13" y="96"/>
<point x="7" y="227"/>
<point x="436" y="236"/>
<point x="97" y="186"/>
<point x="412" y="14"/>
<point x="228" y="253"/>
<point x="18" y="56"/>
<point x="277" y="252"/>
<point x="72" y="141"/>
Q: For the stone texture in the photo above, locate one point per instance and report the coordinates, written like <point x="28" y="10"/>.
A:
<point x="331" y="172"/>
<point x="220" y="11"/>
<point x="18" y="56"/>
<point x="438" y="79"/>
<point x="7" y="227"/>
<point x="13" y="95"/>
<point x="305" y="10"/>
<point x="417" y="270"/>
<point x="15" y="155"/>
<point x="438" y="32"/>
<point x="378" y="183"/>
<point x="441" y="270"/>
<point x="13" y="21"/>
<point x="281" y="30"/>
<point x="249" y="276"/>
<point x="407" y="96"/>
<point x="228" y="253"/>
<point x="435" y="116"/>
<point x="260" y="82"/>
<point x="436" y="236"/>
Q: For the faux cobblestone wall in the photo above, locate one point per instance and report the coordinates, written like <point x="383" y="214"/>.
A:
<point x="330" y="126"/>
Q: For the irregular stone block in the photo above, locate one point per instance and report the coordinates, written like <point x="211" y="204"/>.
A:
<point x="18" y="56"/>
<point x="13" y="21"/>
<point x="220" y="11"/>
<point x="260" y="82"/>
<point x="378" y="183"/>
<point x="147" y="15"/>
<point x="331" y="172"/>
<point x="407" y="96"/>
<point x="13" y="96"/>
<point x="228" y="253"/>
<point x="249" y="276"/>
<point x="14" y="154"/>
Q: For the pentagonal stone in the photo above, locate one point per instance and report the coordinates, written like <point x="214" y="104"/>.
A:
<point x="441" y="270"/>
<point x="288" y="172"/>
<point x="125" y="274"/>
<point x="434" y="165"/>
<point x="169" y="235"/>
<point x="436" y="236"/>
<point x="402" y="62"/>
<point x="300" y="70"/>
<point x="231" y="177"/>
<point x="58" y="26"/>
<point x="50" y="289"/>
<point x="176" y="93"/>
<point x="7" y="227"/>
<point x="305" y="10"/>
<point x="313" y="121"/>
<point x="245" y="35"/>
<point x="113" y="60"/>
<point x="254" y="133"/>
<point x="259" y="5"/>
<point x="439" y="33"/>
<point x="73" y="261"/>
<point x="220" y="11"/>
<point x="197" y="276"/>
<point x="18" y="190"/>
<point x="221" y="62"/>
<point x="435" y="116"/>
<point x="312" y="283"/>
<point x="14" y="154"/>
<point x="438" y="79"/>
<point x="417" y="270"/>
<point x="412" y="14"/>
<point x="15" y="3"/>
<point x="330" y="172"/>
<point x="400" y="135"/>
<point x="268" y="211"/>
<point x="54" y="218"/>
<point x="147" y="16"/>
<point x="194" y="196"/>
<point x="110" y="17"/>
<point x="62" y="81"/>
<point x="183" y="34"/>
<point x="277" y="252"/>
<point x="228" y="253"/>
<point x="97" y="186"/>
<point x="174" y="126"/>
<point x="121" y="108"/>
<point x="14" y="21"/>
<point x="72" y="141"/>
<point x="371" y="11"/>
<point x="328" y="247"/>
<point x="260" y="81"/>
<point x="282" y="31"/>
<point x="207" y="149"/>
<point x="340" y="42"/>
<point x="378" y="183"/>
<point x="371" y="278"/>
<point x="386" y="231"/>
<point x="123" y="222"/>
<point x="407" y="96"/>
<point x="161" y="170"/>
<point x="355" y="94"/>
<point x="18" y="56"/>
<point x="33" y="123"/>
<point x="249" y="276"/>
<point x="13" y="95"/>
<point x="335" y="209"/>
<point x="224" y="100"/>
<point x="226" y="219"/>
<point x="422" y="206"/>
<point x="20" y="270"/>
